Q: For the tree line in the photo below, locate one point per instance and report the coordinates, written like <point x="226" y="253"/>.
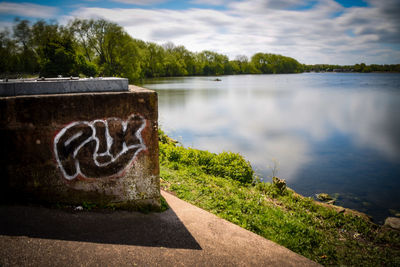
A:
<point x="102" y="48"/>
<point x="362" y="67"/>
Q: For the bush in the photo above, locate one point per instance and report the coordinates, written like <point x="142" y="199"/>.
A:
<point x="231" y="165"/>
<point x="227" y="164"/>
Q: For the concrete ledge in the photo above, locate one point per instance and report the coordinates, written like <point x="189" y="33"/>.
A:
<point x="18" y="87"/>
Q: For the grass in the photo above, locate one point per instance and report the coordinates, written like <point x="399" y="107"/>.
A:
<point x="90" y="206"/>
<point x="225" y="184"/>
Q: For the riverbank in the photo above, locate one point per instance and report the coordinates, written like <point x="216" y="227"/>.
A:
<point x="323" y="233"/>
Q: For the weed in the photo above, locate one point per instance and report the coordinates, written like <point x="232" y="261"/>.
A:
<point x="88" y="205"/>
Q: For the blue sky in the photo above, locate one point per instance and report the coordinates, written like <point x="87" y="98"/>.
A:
<point x="312" y="31"/>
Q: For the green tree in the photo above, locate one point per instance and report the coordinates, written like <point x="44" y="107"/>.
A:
<point x="153" y="60"/>
<point x="271" y="63"/>
<point x="212" y="63"/>
<point x="245" y="66"/>
<point x="8" y="54"/>
<point x="56" y="49"/>
<point x="261" y="63"/>
<point x="26" y="57"/>
<point x="109" y="46"/>
<point x="174" y="61"/>
<point x="85" y="37"/>
<point x="124" y="57"/>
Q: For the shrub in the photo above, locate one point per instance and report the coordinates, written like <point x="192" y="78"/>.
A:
<point x="231" y="165"/>
<point x="227" y="164"/>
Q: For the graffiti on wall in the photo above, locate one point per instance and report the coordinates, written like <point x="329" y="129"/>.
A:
<point x="99" y="148"/>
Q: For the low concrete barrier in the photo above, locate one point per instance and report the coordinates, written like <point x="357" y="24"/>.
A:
<point x="86" y="147"/>
<point x="14" y="87"/>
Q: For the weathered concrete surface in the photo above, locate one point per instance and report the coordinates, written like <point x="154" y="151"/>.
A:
<point x="182" y="236"/>
<point x="17" y="87"/>
<point x="74" y="148"/>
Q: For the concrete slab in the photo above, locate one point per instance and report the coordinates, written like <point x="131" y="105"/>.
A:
<point x="39" y="86"/>
<point x="182" y="236"/>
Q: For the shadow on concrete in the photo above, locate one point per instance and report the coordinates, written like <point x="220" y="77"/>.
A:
<point x="117" y="227"/>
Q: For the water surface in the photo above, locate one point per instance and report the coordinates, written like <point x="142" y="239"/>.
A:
<point x="337" y="133"/>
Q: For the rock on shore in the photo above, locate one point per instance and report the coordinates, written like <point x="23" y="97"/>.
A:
<point x="393" y="222"/>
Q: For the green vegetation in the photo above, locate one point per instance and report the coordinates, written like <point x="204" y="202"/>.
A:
<point x="270" y="63"/>
<point x="353" y="68"/>
<point x="225" y="185"/>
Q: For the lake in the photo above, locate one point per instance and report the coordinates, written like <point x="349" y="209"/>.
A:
<point x="335" y="133"/>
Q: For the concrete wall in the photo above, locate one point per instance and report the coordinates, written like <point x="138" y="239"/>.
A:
<point x="75" y="148"/>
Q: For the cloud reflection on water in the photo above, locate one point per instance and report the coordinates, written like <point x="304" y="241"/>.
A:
<point x="279" y="116"/>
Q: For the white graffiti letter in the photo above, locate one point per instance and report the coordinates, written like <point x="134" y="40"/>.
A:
<point x="99" y="148"/>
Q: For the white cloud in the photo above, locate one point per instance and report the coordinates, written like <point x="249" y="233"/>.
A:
<point x="6" y="25"/>
<point x="324" y="32"/>
<point x="28" y="10"/>
<point x="140" y="2"/>
<point x="209" y="2"/>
